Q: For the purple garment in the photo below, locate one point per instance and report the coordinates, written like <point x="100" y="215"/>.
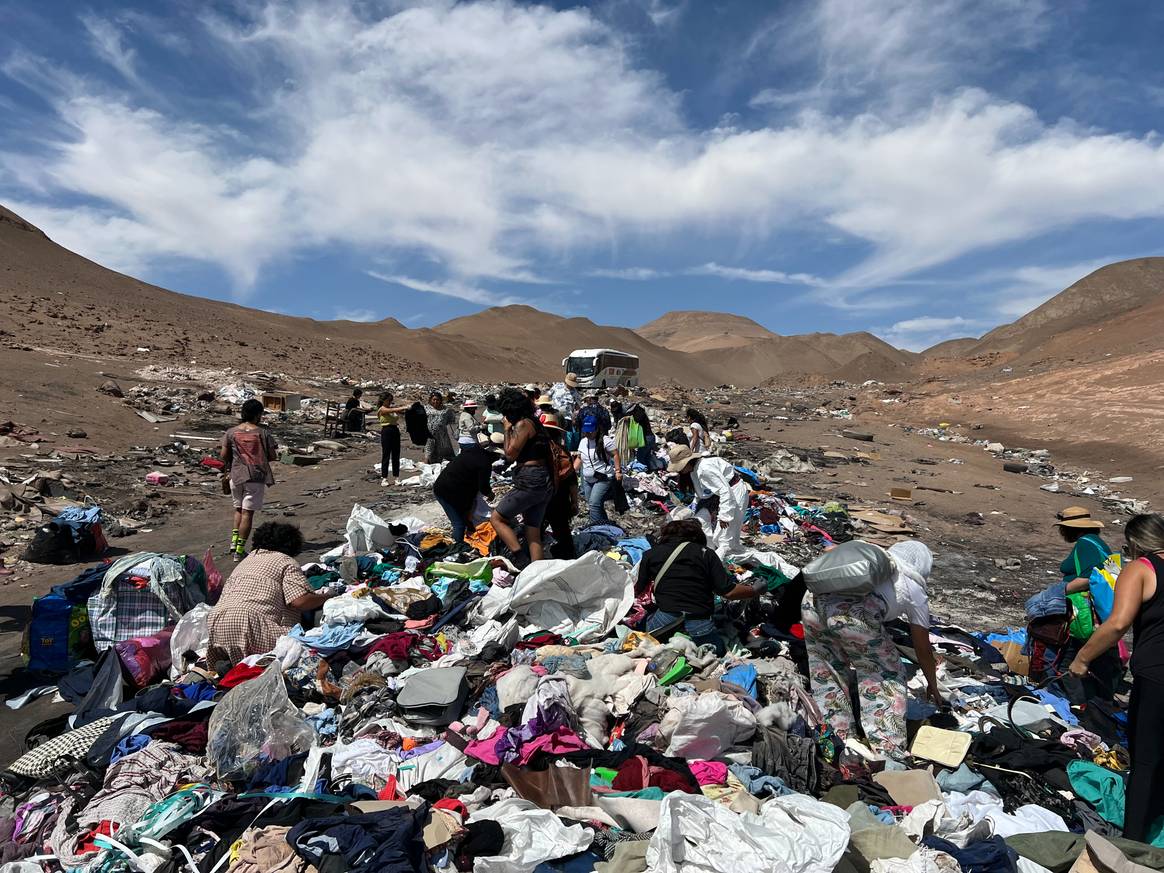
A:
<point x="560" y="741"/>
<point x="417" y="751"/>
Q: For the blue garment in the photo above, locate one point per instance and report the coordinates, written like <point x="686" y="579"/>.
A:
<point x="759" y="783"/>
<point x="985" y="856"/>
<point x="1050" y="601"/>
<point x="1012" y="635"/>
<point x="127" y="746"/>
<point x="389" y="841"/>
<point x="326" y="723"/>
<point x="634" y="548"/>
<point x="1061" y="706"/>
<point x="613" y="531"/>
<point x="332" y="638"/>
<point x="77" y="519"/>
<point x="596" y="494"/>
<point x="918" y="710"/>
<point x="744" y="676"/>
<point x="197" y="691"/>
<point x="964" y="780"/>
<point x="456" y="519"/>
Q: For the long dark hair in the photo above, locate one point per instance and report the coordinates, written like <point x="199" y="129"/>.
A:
<point x="686" y="529"/>
<point x="600" y="442"/>
<point x="1145" y="534"/>
<point x="698" y="417"/>
<point x="385" y="399"/>
<point x="516" y="405"/>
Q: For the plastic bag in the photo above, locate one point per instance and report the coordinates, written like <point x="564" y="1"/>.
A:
<point x="368" y="532"/>
<point x="145" y="657"/>
<point x="191" y="634"/>
<point x="706" y="726"/>
<point x="1102" y="585"/>
<point x="255" y="720"/>
<point x="581" y="600"/>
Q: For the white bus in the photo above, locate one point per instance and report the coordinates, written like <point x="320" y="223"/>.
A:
<point x="603" y="368"/>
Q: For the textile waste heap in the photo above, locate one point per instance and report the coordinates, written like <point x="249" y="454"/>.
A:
<point x="449" y="713"/>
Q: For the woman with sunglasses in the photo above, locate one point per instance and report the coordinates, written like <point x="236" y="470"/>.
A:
<point x="1139" y="606"/>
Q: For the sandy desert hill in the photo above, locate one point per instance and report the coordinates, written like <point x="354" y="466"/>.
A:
<point x="687" y="330"/>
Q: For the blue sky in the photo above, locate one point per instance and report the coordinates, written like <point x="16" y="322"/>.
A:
<point x="921" y="168"/>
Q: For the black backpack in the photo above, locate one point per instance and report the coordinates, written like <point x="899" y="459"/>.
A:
<point x="416" y="423"/>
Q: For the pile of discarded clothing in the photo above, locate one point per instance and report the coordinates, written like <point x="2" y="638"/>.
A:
<point x="448" y="712"/>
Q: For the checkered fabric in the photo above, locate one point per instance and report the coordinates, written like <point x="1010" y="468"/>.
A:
<point x="48" y="756"/>
<point x="252" y="613"/>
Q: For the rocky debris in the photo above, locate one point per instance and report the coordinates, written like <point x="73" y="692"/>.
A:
<point x="111" y="388"/>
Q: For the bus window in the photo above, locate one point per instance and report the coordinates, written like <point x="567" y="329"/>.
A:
<point x="584" y="368"/>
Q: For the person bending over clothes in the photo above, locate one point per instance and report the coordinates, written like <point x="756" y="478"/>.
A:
<point x="263" y="598"/>
<point x="466" y="476"/>
<point x="1139" y="606"/>
<point x="527" y="445"/>
<point x="848" y="644"/>
<point x="722" y="494"/>
<point x="687" y="575"/>
<point x="246" y="452"/>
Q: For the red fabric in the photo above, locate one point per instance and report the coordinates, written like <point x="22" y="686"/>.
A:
<point x="632" y="775"/>
<point x="453" y="805"/>
<point x="239" y="674"/>
<point x="212" y="463"/>
<point x="87" y="842"/>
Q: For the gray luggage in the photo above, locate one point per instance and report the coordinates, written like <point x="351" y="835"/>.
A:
<point x="854" y="567"/>
<point x="433" y="697"/>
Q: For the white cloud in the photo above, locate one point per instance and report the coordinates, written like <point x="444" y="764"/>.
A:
<point x="496" y="139"/>
<point x="1029" y="287"/>
<point x="924" y="331"/>
<point x="458" y="290"/>
<point x="775" y="277"/>
<point x="364" y="315"/>
<point x="107" y="40"/>
<point x="630" y="274"/>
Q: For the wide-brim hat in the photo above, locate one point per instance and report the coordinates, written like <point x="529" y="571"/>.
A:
<point x="571" y="380"/>
<point x="545" y="400"/>
<point x="1077" y="516"/>
<point x="469" y="404"/>
<point x="551" y="420"/>
<point x="491" y="441"/>
<point x="680" y="456"/>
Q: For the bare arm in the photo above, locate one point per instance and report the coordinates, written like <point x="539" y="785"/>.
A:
<point x="1129" y="597"/>
<point x="617" y="466"/>
<point x="741" y="591"/>
<point x="920" y="637"/>
<point x="308" y="602"/>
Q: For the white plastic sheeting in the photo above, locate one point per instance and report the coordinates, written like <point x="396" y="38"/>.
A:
<point x="580" y="600"/>
<point x="532" y="835"/>
<point x="702" y="726"/>
<point x="368" y="532"/>
<point x="191" y="634"/>
<point x="793" y="834"/>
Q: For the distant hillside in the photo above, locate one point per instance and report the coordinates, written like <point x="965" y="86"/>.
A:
<point x="954" y="348"/>
<point x="1109" y="291"/>
<point x="695" y="331"/>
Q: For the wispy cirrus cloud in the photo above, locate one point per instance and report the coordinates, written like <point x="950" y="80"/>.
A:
<point x="457" y="290"/>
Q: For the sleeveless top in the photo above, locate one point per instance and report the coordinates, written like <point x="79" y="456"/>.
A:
<point x="536" y="448"/>
<point x="1148" y="628"/>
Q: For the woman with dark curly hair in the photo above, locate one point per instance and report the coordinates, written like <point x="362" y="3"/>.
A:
<point x="528" y="447"/>
<point x="263" y="597"/>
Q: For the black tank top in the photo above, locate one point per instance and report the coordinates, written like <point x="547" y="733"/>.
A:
<point x="536" y="448"/>
<point x="1148" y="629"/>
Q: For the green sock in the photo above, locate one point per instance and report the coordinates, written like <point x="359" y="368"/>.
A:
<point x="234" y="539"/>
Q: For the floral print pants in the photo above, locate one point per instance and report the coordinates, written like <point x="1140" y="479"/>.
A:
<point x="847" y="642"/>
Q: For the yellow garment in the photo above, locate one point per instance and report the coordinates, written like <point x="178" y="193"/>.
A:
<point x="637" y="638"/>
<point x="481" y="538"/>
<point x="432" y="540"/>
<point x="388" y="419"/>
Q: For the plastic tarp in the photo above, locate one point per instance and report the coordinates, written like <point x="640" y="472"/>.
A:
<point x="254" y="721"/>
<point x="368" y="532"/>
<point x="191" y="634"/>
<point x="581" y="599"/>
<point x="792" y="834"/>
<point x="532" y="836"/>
<point x="706" y="725"/>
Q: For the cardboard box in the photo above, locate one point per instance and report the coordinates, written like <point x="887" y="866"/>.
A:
<point x="281" y="401"/>
<point x="1018" y="663"/>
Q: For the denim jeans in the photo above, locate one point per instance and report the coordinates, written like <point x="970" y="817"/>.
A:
<point x="701" y="630"/>
<point x="458" y="521"/>
<point x="596" y="494"/>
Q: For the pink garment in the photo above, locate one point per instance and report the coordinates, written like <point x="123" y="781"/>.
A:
<point x="421" y="624"/>
<point x="709" y="772"/>
<point x="486" y="750"/>
<point x="561" y="740"/>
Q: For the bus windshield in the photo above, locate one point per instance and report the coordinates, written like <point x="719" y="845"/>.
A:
<point x="582" y="367"/>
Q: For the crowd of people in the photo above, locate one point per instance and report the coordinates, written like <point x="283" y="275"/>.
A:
<point x="561" y="451"/>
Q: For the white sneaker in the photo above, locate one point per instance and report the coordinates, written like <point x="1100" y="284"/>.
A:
<point x="384" y="483"/>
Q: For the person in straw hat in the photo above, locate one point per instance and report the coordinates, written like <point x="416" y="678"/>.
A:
<point x="1088" y="550"/>
<point x="722" y="494"/>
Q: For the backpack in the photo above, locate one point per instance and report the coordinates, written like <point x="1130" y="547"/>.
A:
<point x="416" y="423"/>
<point x="855" y="567"/>
<point x="58" y="635"/>
<point x="561" y="464"/>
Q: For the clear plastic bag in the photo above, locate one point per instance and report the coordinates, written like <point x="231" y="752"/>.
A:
<point x="256" y="722"/>
<point x="191" y="634"/>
